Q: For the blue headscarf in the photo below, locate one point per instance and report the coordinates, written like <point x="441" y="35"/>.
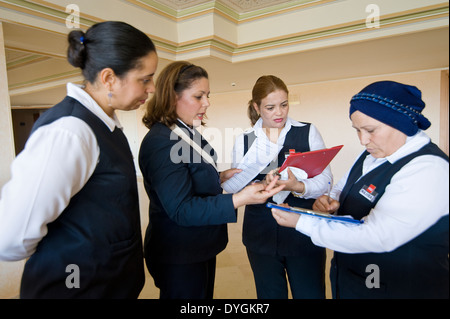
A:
<point x="395" y="104"/>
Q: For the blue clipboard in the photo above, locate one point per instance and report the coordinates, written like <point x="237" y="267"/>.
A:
<point x="299" y="210"/>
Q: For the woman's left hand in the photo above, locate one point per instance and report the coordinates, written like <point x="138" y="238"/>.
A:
<point x="284" y="218"/>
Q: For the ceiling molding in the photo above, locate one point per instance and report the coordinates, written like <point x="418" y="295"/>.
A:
<point x="225" y="9"/>
<point x="25" y="61"/>
<point x="45" y="80"/>
<point x="55" y="56"/>
<point x="229" y="50"/>
<point x="45" y="10"/>
<point x="212" y="31"/>
<point x="233" y="50"/>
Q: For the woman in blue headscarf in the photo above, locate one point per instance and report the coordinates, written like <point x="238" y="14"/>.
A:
<point x="399" y="186"/>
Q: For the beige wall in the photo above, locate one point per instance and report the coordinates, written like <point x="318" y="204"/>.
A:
<point x="324" y="104"/>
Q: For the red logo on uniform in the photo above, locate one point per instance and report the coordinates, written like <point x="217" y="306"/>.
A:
<point x="371" y="188"/>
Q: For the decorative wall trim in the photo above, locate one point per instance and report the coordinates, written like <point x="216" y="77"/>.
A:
<point x="227" y="49"/>
<point x="224" y="10"/>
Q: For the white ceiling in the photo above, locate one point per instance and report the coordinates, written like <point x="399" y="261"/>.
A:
<point x="34" y="55"/>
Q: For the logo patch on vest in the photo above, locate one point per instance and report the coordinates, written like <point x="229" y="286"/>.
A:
<point x="369" y="192"/>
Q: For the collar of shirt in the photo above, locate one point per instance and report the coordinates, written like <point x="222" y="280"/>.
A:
<point x="259" y="132"/>
<point x="188" y="127"/>
<point x="78" y="93"/>
<point x="413" y="144"/>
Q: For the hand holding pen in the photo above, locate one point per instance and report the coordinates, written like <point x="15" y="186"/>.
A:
<point x="326" y="203"/>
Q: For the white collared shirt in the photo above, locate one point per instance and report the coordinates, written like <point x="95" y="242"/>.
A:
<point x="192" y="130"/>
<point x="78" y="93"/>
<point x="416" y="198"/>
<point x="314" y="187"/>
<point x="56" y="163"/>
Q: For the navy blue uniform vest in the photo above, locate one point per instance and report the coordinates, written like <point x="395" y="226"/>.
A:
<point x="99" y="231"/>
<point x="417" y="269"/>
<point x="261" y="233"/>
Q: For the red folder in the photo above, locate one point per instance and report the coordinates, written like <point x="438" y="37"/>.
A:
<point x="314" y="162"/>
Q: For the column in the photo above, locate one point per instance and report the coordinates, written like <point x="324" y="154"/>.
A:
<point x="10" y="272"/>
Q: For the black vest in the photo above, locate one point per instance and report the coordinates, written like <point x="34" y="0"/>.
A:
<point x="417" y="269"/>
<point x="99" y="231"/>
<point x="261" y="233"/>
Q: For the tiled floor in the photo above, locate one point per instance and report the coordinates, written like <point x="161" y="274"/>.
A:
<point x="234" y="277"/>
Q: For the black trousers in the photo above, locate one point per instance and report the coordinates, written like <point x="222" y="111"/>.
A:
<point x="184" y="281"/>
<point x="306" y="275"/>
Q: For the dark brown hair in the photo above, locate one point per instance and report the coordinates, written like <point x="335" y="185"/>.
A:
<point x="110" y="44"/>
<point x="265" y="85"/>
<point x="172" y="81"/>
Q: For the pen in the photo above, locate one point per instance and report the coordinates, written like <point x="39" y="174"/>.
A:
<point x="329" y="192"/>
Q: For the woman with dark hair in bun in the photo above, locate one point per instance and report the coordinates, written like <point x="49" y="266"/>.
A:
<point x="71" y="205"/>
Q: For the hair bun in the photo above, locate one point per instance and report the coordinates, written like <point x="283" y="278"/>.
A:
<point x="76" y="53"/>
<point x="109" y="44"/>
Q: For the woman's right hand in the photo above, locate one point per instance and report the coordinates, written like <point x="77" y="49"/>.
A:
<point x="257" y="193"/>
<point x="326" y="204"/>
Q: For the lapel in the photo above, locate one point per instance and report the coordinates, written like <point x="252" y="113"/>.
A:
<point x="185" y="137"/>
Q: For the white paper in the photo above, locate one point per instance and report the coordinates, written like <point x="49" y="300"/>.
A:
<point x="258" y="157"/>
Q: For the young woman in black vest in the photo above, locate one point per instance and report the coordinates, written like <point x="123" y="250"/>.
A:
<point x="188" y="212"/>
<point x="277" y="252"/>
<point x="399" y="186"/>
<point x="72" y="203"/>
